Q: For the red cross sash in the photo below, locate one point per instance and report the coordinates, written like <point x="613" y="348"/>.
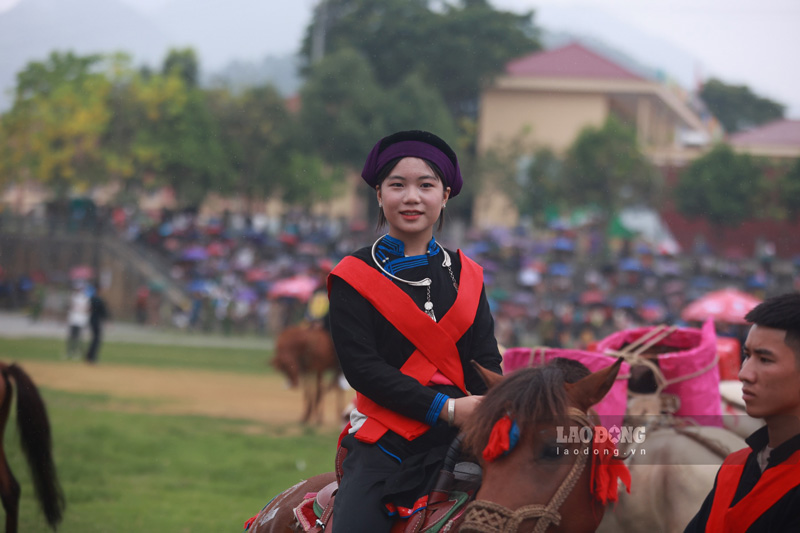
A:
<point x="435" y="342"/>
<point x="774" y="483"/>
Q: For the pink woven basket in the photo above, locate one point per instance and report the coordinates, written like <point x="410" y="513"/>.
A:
<point x="611" y="409"/>
<point x="693" y="366"/>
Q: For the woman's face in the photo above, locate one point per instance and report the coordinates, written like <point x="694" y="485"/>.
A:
<point x="412" y="197"/>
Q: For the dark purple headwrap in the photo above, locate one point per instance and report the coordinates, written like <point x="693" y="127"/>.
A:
<point x="421" y="144"/>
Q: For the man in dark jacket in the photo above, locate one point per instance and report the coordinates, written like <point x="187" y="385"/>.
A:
<point x="98" y="312"/>
<point x="758" y="488"/>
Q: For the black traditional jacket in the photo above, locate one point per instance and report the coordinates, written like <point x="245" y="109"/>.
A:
<point x="371" y="350"/>
<point x="784" y="516"/>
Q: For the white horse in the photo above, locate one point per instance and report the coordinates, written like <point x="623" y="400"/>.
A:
<point x="672" y="472"/>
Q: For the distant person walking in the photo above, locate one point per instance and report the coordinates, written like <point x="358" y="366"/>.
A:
<point x="77" y="319"/>
<point x="97" y="314"/>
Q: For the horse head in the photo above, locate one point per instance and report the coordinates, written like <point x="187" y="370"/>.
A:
<point x="536" y="478"/>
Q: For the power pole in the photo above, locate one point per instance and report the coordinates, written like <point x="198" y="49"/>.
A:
<point x="318" y="35"/>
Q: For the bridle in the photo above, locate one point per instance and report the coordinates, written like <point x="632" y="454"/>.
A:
<point x="487" y="517"/>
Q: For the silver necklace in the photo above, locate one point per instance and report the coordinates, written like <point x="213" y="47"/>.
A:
<point x="426" y="282"/>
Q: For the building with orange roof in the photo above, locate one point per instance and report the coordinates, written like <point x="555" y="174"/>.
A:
<point x="545" y="99"/>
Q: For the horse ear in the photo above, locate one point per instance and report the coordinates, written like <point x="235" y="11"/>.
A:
<point x="590" y="390"/>
<point x="490" y="378"/>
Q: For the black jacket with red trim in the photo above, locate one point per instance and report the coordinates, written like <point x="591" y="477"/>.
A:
<point x="371" y="350"/>
<point x="784" y="516"/>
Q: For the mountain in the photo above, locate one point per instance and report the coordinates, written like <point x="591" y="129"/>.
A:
<point x="247" y="32"/>
<point x="33" y="28"/>
<point x="281" y="72"/>
<point x="620" y="41"/>
<point x="244" y="30"/>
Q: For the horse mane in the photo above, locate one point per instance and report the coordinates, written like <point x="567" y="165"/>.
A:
<point x="529" y="396"/>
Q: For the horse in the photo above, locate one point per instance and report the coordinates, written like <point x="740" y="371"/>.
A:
<point x="306" y="352"/>
<point x="541" y="484"/>
<point x="36" y="442"/>
<point x="672" y="472"/>
<point x="674" y="466"/>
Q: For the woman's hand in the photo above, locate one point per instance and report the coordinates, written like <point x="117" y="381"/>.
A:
<point x="463" y="409"/>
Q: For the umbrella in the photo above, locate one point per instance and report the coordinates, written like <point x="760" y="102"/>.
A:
<point x="563" y="244"/>
<point x="757" y="281"/>
<point x="652" y="311"/>
<point x="200" y="285"/>
<point x="624" y="301"/>
<point x="630" y="264"/>
<point x="194" y="253"/>
<point x="593" y="296"/>
<point x="216" y="249"/>
<point x="559" y="269"/>
<point x="246" y="294"/>
<point x="256" y="274"/>
<point x="300" y="286"/>
<point x="701" y="282"/>
<point x="81" y="273"/>
<point x="727" y="305"/>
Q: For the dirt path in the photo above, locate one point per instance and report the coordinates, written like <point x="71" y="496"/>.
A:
<point x="197" y="392"/>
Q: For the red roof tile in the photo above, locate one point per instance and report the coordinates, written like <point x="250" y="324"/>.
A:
<point x="779" y="133"/>
<point x="573" y="60"/>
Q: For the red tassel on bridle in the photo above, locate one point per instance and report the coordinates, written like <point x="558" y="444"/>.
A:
<point x="607" y="468"/>
<point x="502" y="439"/>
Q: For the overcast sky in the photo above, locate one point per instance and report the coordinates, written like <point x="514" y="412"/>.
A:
<point x="752" y="42"/>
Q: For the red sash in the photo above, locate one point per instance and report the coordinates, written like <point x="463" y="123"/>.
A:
<point x="774" y="483"/>
<point x="435" y="342"/>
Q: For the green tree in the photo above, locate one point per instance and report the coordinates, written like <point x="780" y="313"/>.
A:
<point x="721" y="186"/>
<point x="737" y="107"/>
<point x="411" y="104"/>
<point x="469" y="44"/>
<point x="127" y="159"/>
<point x="53" y="132"/>
<point x="180" y="143"/>
<point x="789" y="187"/>
<point x="456" y="49"/>
<point x="541" y="184"/>
<point x="341" y="108"/>
<point x="183" y="63"/>
<point x="309" y="180"/>
<point x="257" y="135"/>
<point x="605" y="168"/>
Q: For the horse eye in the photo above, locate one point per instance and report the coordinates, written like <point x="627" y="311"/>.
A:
<point x="553" y="451"/>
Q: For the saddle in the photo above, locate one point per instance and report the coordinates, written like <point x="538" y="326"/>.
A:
<point x="454" y="488"/>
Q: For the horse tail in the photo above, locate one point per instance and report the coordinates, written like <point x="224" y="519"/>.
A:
<point x="36" y="441"/>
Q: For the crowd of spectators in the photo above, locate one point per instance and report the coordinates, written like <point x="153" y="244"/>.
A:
<point x="559" y="286"/>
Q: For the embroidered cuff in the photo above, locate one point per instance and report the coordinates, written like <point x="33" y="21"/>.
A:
<point x="436" y="407"/>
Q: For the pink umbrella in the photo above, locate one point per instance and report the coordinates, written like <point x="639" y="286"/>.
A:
<point x="727" y="305"/>
<point x="81" y="273"/>
<point x="300" y="286"/>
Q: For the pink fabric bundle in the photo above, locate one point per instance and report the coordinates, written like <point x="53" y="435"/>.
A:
<point x="611" y="409"/>
<point x="695" y="350"/>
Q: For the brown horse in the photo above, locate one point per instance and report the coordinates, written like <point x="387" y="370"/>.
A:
<point x="540" y="485"/>
<point x="34" y="434"/>
<point x="306" y="352"/>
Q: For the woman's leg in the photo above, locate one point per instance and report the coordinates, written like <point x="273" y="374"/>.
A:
<point x="358" y="507"/>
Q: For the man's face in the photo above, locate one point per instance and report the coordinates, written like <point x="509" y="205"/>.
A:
<point x="769" y="375"/>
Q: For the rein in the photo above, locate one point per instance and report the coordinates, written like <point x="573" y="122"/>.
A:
<point x="488" y="517"/>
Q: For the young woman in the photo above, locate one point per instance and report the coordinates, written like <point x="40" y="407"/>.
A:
<point x="407" y="317"/>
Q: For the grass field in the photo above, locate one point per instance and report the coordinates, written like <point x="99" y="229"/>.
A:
<point x="124" y="470"/>
<point x="229" y="359"/>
